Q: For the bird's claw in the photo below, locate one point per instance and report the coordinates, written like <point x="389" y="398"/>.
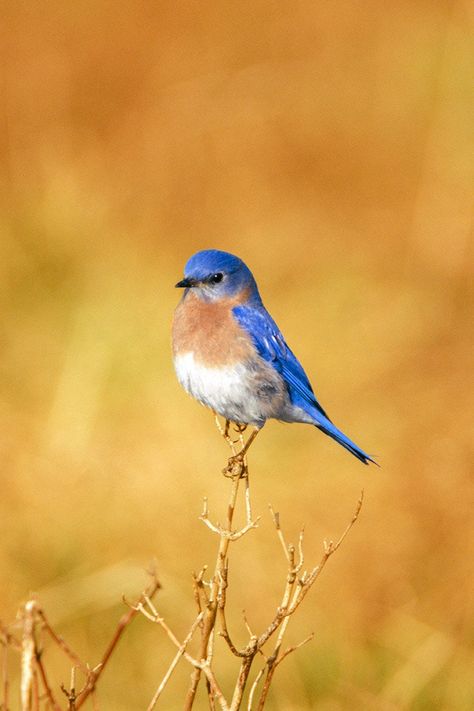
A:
<point x="240" y="428"/>
<point x="236" y="467"/>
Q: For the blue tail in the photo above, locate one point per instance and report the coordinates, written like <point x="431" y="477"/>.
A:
<point x="326" y="426"/>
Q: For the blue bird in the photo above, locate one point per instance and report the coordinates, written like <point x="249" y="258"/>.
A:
<point x="231" y="356"/>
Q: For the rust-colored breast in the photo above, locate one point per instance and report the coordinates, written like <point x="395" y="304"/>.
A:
<point x="209" y="330"/>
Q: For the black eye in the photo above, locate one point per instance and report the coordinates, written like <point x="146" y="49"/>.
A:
<point x="216" y="278"/>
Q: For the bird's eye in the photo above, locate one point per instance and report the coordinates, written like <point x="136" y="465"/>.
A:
<point x="216" y="278"/>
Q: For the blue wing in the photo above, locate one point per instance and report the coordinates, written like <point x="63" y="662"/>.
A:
<point x="271" y="346"/>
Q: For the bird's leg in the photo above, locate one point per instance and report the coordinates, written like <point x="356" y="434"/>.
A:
<point x="224" y="431"/>
<point x="236" y="465"/>
<point x="218" y="424"/>
<point x="243" y="451"/>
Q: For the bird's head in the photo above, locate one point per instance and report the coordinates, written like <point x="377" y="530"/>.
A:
<point x="214" y="275"/>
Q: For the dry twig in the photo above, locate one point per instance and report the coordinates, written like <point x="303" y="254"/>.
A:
<point x="123" y="623"/>
<point x="211" y="600"/>
<point x="28" y="655"/>
<point x="35" y="687"/>
<point x="211" y="618"/>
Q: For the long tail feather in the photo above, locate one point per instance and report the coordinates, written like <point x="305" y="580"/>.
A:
<point x="331" y="430"/>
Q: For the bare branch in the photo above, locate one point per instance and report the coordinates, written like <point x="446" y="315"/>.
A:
<point x="9" y="639"/>
<point x="221" y="602"/>
<point x="61" y="642"/>
<point x="71" y="694"/>
<point x="123" y="623"/>
<point x="306" y="581"/>
<point x="254" y="688"/>
<point x="224" y="532"/>
<point x="211" y="610"/>
<point x="300" y="551"/>
<point x="210" y="696"/>
<point x="329" y="548"/>
<point x="44" y="679"/>
<point x="35" y="696"/>
<point x="215" y="688"/>
<point x="242" y="678"/>
<point x="153" y="616"/>
<point x="177" y="657"/>
<point x="293" y="648"/>
<point x="276" y="521"/>
<point x="210" y="597"/>
<point x="199" y="589"/>
<point x="28" y="655"/>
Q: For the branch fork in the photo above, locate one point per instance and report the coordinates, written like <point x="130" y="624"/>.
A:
<point x="211" y="600"/>
<point x="223" y="532"/>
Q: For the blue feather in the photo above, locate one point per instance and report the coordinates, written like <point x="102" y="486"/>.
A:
<point x="271" y="346"/>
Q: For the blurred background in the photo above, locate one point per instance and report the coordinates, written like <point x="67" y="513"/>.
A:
<point x="330" y="145"/>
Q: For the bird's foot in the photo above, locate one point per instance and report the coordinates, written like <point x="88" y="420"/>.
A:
<point x="226" y="429"/>
<point x="236" y="467"/>
<point x="240" y="428"/>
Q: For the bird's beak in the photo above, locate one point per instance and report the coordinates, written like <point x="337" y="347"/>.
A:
<point x="186" y="283"/>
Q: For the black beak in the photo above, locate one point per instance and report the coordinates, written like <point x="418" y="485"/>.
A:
<point x="186" y="283"/>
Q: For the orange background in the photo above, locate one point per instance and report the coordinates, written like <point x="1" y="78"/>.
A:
<point x="330" y="146"/>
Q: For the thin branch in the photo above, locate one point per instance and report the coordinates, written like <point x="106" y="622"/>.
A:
<point x="9" y="639"/>
<point x="215" y="688"/>
<point x="281" y="538"/>
<point x="293" y="648"/>
<point x="177" y="657"/>
<point x="248" y="505"/>
<point x="306" y="581"/>
<point x="211" y="610"/>
<point x="203" y="666"/>
<point x="61" y="642"/>
<point x="211" y="602"/>
<point x="210" y="696"/>
<point x="254" y="688"/>
<point x="27" y="655"/>
<point x="95" y="705"/>
<point x="210" y="653"/>
<point x="71" y="694"/>
<point x="123" y="623"/>
<point x="35" y="690"/>
<point x="199" y="589"/>
<point x="221" y="602"/>
<point x="44" y="680"/>
<point x="272" y="664"/>
<point x="223" y="532"/>
<point x="329" y="548"/>
<point x="243" y="675"/>
<point x="153" y="616"/>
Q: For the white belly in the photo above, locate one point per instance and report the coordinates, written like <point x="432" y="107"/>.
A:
<point x="238" y="392"/>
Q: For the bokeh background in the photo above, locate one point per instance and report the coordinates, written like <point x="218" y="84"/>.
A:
<point x="330" y="146"/>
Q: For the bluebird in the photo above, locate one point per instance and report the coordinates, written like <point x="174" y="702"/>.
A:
<point x="231" y="356"/>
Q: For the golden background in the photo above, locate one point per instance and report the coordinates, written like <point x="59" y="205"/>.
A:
<point x="330" y="146"/>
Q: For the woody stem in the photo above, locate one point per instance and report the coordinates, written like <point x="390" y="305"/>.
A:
<point x="209" y="620"/>
<point x="249" y="442"/>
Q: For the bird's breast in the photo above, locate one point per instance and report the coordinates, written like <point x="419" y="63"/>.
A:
<point x="216" y="362"/>
<point x="210" y="332"/>
<point x="209" y="384"/>
<point x="248" y="392"/>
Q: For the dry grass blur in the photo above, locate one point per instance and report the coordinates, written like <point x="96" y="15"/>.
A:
<point x="331" y="146"/>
